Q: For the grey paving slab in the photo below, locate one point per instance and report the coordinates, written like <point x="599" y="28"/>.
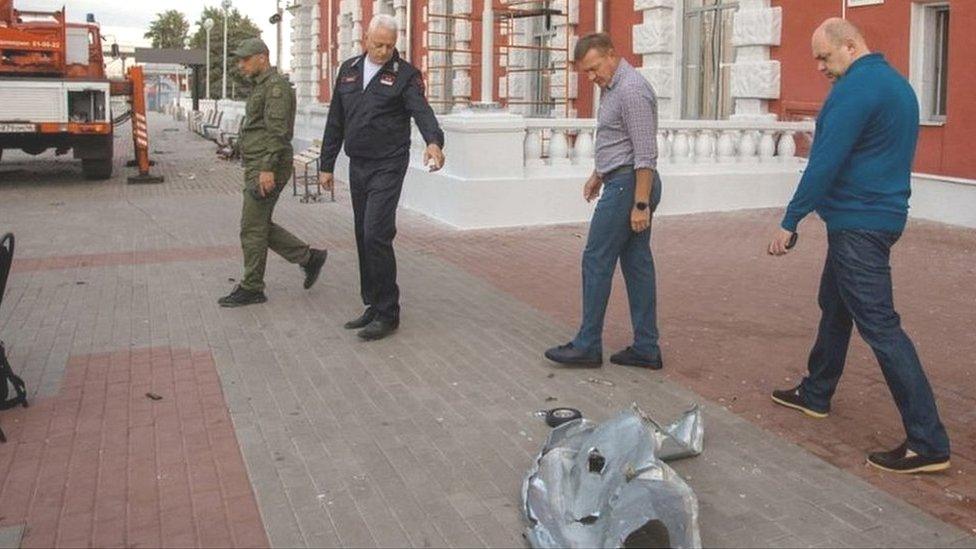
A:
<point x="418" y="440"/>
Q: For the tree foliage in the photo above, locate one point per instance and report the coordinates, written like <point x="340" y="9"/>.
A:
<point x="239" y="28"/>
<point x="170" y="29"/>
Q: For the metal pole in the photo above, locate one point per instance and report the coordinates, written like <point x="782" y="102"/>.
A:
<point x="223" y="93"/>
<point x="208" y="63"/>
<point x="487" y="51"/>
<point x="278" y="25"/>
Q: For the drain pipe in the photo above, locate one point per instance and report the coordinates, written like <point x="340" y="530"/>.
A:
<point x="409" y="37"/>
<point x="600" y="27"/>
<point x="328" y="52"/>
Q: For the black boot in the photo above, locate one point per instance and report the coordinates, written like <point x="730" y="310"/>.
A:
<point x="378" y="329"/>
<point x="240" y="297"/>
<point x="314" y="266"/>
<point x="361" y="322"/>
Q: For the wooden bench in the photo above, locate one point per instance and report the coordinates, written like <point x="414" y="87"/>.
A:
<point x="306" y="173"/>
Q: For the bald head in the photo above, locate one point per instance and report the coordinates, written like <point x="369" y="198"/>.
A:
<point x="836" y="44"/>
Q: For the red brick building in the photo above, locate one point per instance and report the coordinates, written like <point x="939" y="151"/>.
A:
<point x="707" y="59"/>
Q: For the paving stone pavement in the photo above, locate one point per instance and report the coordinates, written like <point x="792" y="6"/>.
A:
<point x="418" y="440"/>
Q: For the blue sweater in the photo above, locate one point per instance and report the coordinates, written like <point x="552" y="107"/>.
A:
<point x="859" y="172"/>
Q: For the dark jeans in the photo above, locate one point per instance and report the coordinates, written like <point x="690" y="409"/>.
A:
<point x="611" y="239"/>
<point x="375" y="187"/>
<point x="856" y="289"/>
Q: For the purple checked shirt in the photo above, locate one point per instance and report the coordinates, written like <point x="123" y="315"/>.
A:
<point x="627" y="122"/>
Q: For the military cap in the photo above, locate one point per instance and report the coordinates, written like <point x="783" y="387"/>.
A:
<point x="249" y="47"/>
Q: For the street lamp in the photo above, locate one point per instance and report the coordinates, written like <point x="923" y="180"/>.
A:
<point x="226" y="5"/>
<point x="207" y="26"/>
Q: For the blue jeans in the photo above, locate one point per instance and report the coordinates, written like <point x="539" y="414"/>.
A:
<point x="610" y="239"/>
<point x="856" y="289"/>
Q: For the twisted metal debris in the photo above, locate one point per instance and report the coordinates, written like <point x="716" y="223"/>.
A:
<point x="606" y="484"/>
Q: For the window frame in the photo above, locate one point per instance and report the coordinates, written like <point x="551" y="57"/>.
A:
<point x="928" y="64"/>
<point x="722" y="92"/>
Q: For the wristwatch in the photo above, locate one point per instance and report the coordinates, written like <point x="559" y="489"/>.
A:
<point x="641" y="206"/>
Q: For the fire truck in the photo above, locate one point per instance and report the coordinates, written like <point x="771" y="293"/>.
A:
<point x="54" y="93"/>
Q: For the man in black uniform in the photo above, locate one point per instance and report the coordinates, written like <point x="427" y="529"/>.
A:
<point x="374" y="97"/>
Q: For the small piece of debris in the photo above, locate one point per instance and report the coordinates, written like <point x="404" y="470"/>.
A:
<point x="599" y="381"/>
<point x="80" y="282"/>
<point x="550" y="375"/>
<point x="153" y="396"/>
<point x="578" y="235"/>
<point x="551" y="399"/>
<point x="231" y="279"/>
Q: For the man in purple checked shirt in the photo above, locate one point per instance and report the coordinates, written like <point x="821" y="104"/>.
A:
<point x="626" y="162"/>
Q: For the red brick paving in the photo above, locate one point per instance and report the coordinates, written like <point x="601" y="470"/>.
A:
<point x="132" y="257"/>
<point x="103" y="465"/>
<point x="737" y="324"/>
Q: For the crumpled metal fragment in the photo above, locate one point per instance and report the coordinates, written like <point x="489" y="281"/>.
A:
<point x="606" y="484"/>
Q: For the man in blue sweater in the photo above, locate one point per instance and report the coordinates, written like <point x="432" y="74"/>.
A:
<point x="858" y="180"/>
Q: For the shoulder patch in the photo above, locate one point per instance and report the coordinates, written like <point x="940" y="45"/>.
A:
<point x="276" y="91"/>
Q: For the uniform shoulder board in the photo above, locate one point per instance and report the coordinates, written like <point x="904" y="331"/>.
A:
<point x="276" y="91"/>
<point x="396" y="66"/>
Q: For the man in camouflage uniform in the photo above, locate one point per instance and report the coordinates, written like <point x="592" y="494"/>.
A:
<point x="267" y="154"/>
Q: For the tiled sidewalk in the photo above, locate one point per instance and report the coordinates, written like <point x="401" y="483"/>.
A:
<point x="422" y="439"/>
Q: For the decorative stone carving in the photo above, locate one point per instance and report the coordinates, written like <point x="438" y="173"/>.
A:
<point x="640" y="5"/>
<point x="661" y="79"/>
<point x="756" y="80"/>
<point x="654" y="36"/>
<point x="761" y="27"/>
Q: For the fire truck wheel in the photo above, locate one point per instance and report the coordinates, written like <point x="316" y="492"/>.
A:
<point x="97" y="168"/>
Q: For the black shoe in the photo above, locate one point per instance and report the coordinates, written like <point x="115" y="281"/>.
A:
<point x="567" y="354"/>
<point x="378" y="329"/>
<point x="314" y="266"/>
<point x="240" y="297"/>
<point x="361" y="322"/>
<point x="630" y="357"/>
<point x="791" y="399"/>
<point x="903" y="460"/>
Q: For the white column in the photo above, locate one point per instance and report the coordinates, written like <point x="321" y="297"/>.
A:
<point x="487" y="53"/>
<point x="755" y="77"/>
<point x="655" y="39"/>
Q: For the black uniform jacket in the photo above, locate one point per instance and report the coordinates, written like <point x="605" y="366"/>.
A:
<point x="375" y="122"/>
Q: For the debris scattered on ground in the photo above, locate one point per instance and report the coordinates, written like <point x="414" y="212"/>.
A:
<point x="153" y="396"/>
<point x="606" y="484"/>
<point x="551" y="399"/>
<point x="600" y="381"/>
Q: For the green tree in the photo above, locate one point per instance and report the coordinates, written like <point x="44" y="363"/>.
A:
<point x="239" y="28"/>
<point x="170" y="29"/>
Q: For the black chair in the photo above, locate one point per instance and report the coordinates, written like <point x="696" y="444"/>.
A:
<point x="7" y="376"/>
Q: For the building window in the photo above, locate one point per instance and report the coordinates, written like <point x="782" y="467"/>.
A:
<point x="543" y="33"/>
<point x="929" y="73"/>
<point x="707" y="58"/>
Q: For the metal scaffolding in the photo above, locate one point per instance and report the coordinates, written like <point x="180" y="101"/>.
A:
<point x="552" y="75"/>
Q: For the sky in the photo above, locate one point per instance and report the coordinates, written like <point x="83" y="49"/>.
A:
<point x="127" y="20"/>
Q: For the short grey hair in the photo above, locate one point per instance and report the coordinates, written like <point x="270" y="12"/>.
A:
<point x="383" y="20"/>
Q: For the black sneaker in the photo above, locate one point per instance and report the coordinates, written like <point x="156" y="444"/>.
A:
<point x="630" y="357"/>
<point x="378" y="329"/>
<point x="903" y="460"/>
<point x="361" y="322"/>
<point x="314" y="266"/>
<point x="240" y="297"/>
<point x="568" y="354"/>
<point x="791" y="399"/>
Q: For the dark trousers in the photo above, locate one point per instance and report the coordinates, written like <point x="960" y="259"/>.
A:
<point x="611" y="240"/>
<point x="856" y="289"/>
<point x="375" y="186"/>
